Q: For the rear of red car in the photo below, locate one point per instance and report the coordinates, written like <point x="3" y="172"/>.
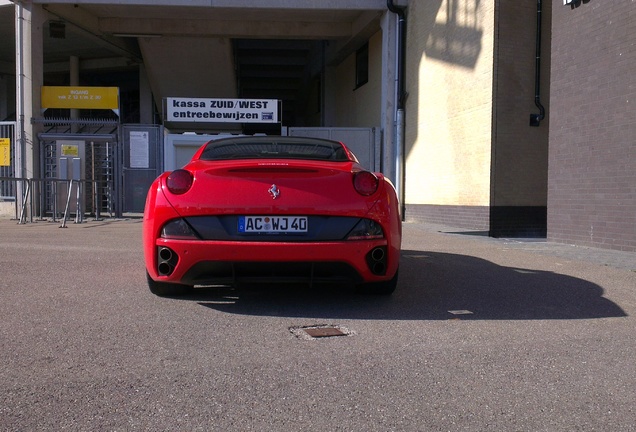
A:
<point x="263" y="209"/>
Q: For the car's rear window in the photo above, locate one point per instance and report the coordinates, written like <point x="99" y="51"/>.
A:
<point x="274" y="149"/>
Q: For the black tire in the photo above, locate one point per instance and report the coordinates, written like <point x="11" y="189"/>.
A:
<point x="379" y="288"/>
<point x="165" y="289"/>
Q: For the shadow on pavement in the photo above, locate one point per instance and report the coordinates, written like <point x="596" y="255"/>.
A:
<point x="432" y="286"/>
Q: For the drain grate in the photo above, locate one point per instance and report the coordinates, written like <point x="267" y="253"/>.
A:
<point x="320" y="331"/>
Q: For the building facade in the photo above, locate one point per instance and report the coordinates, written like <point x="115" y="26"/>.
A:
<point x="473" y="158"/>
<point x="513" y="118"/>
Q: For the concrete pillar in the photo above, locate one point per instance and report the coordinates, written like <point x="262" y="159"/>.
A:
<point x="30" y="21"/>
<point x="389" y="95"/>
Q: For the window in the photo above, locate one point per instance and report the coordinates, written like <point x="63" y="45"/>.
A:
<point x="279" y="148"/>
<point x="362" y="65"/>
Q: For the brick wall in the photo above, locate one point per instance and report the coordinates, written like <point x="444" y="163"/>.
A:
<point x="472" y="217"/>
<point x="592" y="148"/>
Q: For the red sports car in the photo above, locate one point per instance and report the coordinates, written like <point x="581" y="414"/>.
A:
<point x="271" y="209"/>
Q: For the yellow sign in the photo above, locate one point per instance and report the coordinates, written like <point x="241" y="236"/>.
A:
<point x="5" y="152"/>
<point x="70" y="150"/>
<point x="80" y="97"/>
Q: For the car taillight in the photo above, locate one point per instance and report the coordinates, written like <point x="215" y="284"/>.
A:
<point x="365" y="183"/>
<point x="179" y="181"/>
<point x="366" y="229"/>
<point x="178" y="229"/>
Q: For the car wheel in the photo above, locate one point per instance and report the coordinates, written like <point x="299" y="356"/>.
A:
<point x="165" y="289"/>
<point x="379" y="288"/>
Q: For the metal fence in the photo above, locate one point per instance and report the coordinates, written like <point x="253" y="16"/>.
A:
<point x="71" y="198"/>
<point x="85" y="170"/>
<point x="97" y="182"/>
<point x="20" y="205"/>
<point x="8" y="188"/>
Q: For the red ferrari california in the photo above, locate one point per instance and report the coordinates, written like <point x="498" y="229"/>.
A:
<point x="271" y="209"/>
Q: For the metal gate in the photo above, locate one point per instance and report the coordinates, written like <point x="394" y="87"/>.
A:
<point x="141" y="163"/>
<point x="80" y="154"/>
<point x="7" y="188"/>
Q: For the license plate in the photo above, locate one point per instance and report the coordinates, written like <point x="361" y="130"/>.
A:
<point x="272" y="224"/>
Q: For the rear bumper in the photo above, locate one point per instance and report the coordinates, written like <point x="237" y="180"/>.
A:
<point x="226" y="262"/>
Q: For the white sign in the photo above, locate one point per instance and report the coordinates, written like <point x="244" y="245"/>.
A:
<point x="139" y="149"/>
<point x="209" y="110"/>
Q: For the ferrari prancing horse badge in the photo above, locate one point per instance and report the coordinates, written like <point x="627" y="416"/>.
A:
<point x="274" y="191"/>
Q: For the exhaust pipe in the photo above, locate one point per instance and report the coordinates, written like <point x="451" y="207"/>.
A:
<point x="165" y="254"/>
<point x="166" y="261"/>
<point x="164" y="269"/>
<point x="376" y="260"/>
<point x="377" y="254"/>
<point x="378" y="268"/>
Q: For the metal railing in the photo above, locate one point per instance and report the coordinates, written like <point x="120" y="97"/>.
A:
<point x="74" y="188"/>
<point x="22" y="203"/>
<point x="7" y="189"/>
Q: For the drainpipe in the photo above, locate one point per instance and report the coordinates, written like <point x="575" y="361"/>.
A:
<point x="401" y="98"/>
<point x="535" y="119"/>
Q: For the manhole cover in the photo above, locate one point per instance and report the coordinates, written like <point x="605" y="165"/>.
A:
<point x="320" y="331"/>
<point x="460" y="312"/>
<point x="324" y="332"/>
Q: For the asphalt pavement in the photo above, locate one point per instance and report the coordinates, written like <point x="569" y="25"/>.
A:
<point x="481" y="334"/>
